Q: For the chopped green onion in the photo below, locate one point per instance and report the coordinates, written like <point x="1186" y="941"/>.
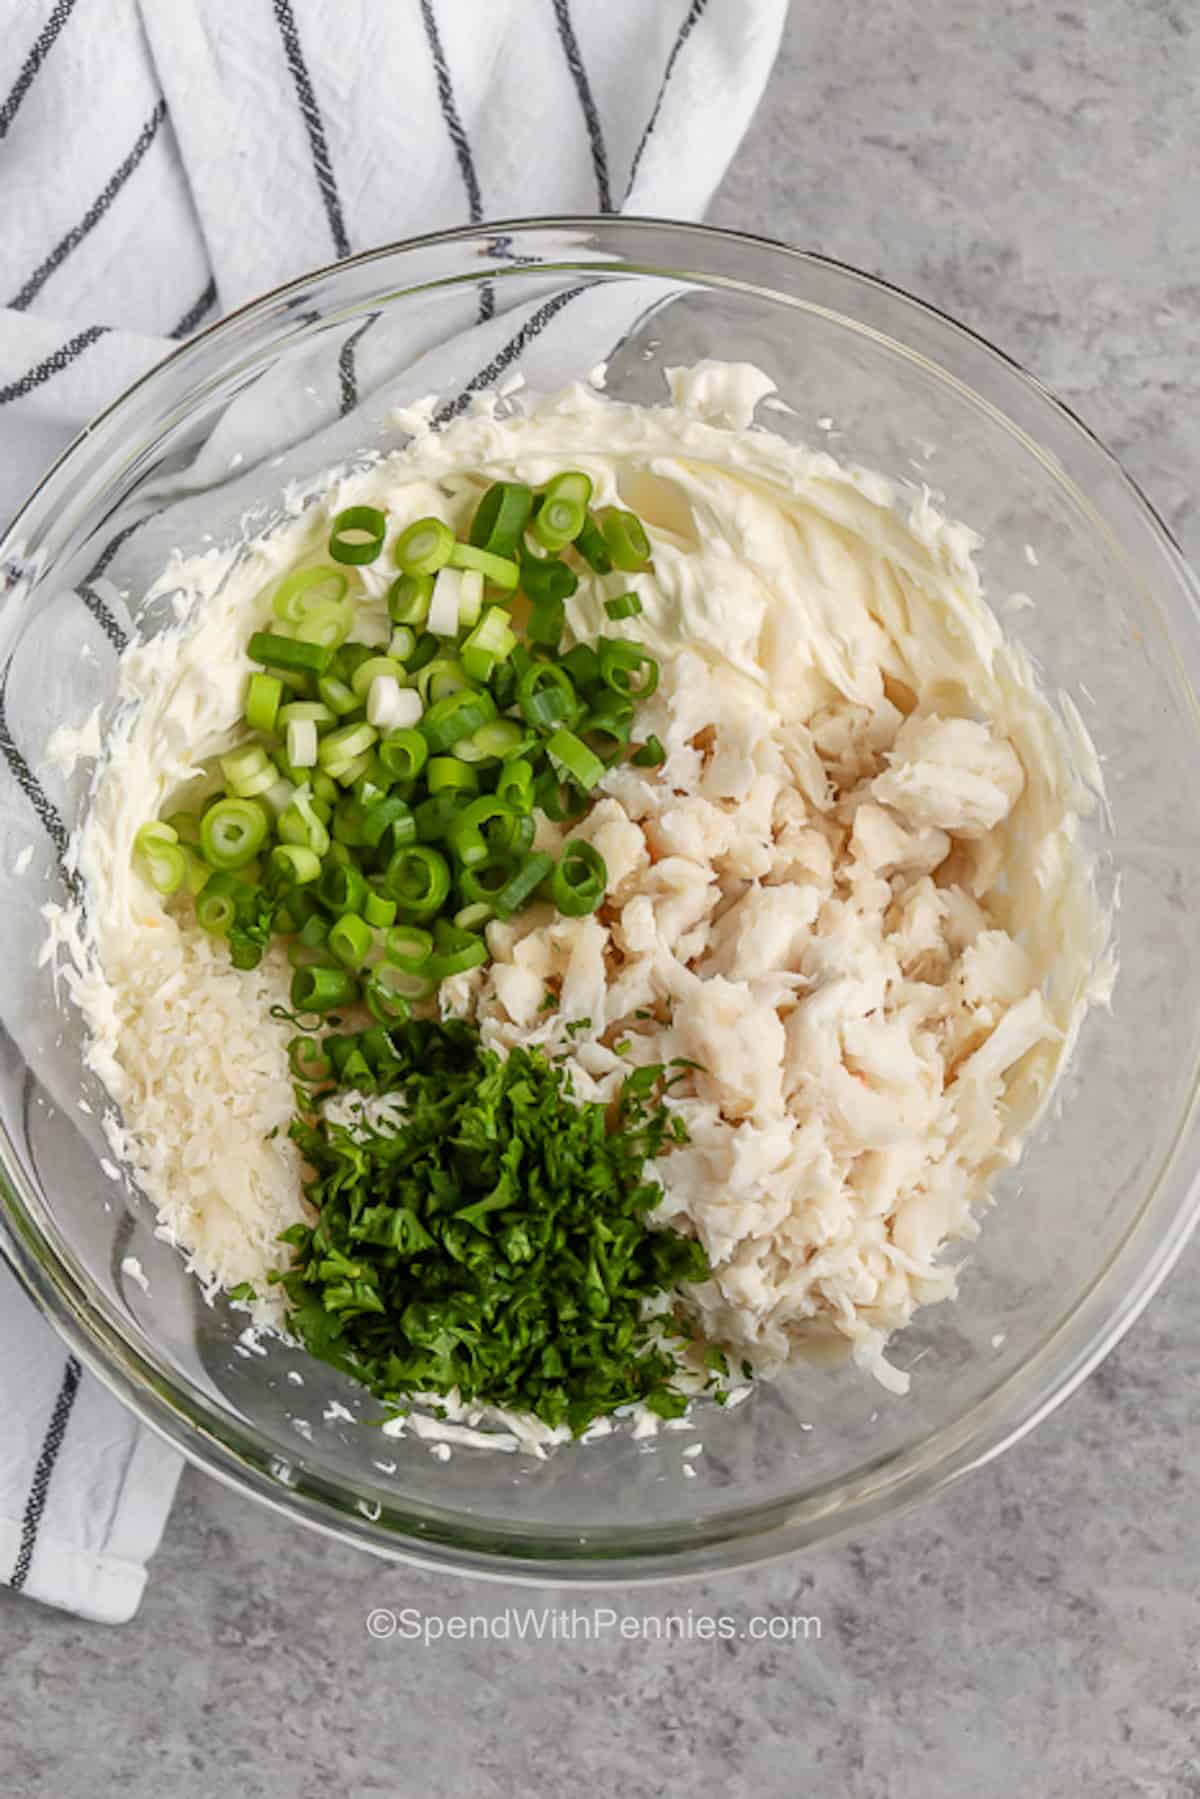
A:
<point x="347" y="773"/>
<point x="350" y="940"/>
<point x="408" y="599"/>
<point x="378" y="910"/>
<point x="232" y="832"/>
<point x="402" y="643"/>
<point x="492" y="640"/>
<point x="458" y="715"/>
<point x="294" y="863"/>
<point x="389" y="816"/>
<point x="579" y="882"/>
<point x="471" y="918"/>
<point x="628" y="667"/>
<point x="327" y="625"/>
<point x="318" y="989"/>
<point x="483" y="827"/>
<point x="563" y="511"/>
<point x="502" y="571"/>
<point x="392" y="707"/>
<point x="371" y="669"/>
<point x="344" y="745"/>
<point x="196" y="873"/>
<point x="592" y="547"/>
<point x="216" y="907"/>
<point x="301" y="824"/>
<point x="337" y="696"/>
<point x="249" y="771"/>
<point x="573" y="759"/>
<point x="546" y="696"/>
<point x="403" y="754"/>
<point x="423" y="547"/>
<point x="449" y="773"/>
<point x="547" y="622"/>
<point x="418" y="878"/>
<point x="357" y="533"/>
<point x="384" y="1005"/>
<point x="443" y="607"/>
<point x="425" y="652"/>
<point x="455" y="951"/>
<point x="299" y="592"/>
<point x="514" y="785"/>
<point x="440" y="678"/>
<point x="470" y="598"/>
<point x="342" y="887"/>
<point x="545" y="579"/>
<point x="607" y="725"/>
<point x="310" y="711"/>
<point x="263" y="694"/>
<point x="289" y="653"/>
<point x="409" y="947"/>
<point x="625" y="540"/>
<point x="434" y="816"/>
<point x="164" y="858"/>
<point x="308" y="1061"/>
<point x="583" y="665"/>
<point x="501" y="517"/>
<point x="523" y="884"/>
<point x="651" y="754"/>
<point x="492" y="742"/>
<point x="626" y="605"/>
<point x="302" y="743"/>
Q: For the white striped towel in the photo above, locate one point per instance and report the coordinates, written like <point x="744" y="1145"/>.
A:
<point x="165" y="160"/>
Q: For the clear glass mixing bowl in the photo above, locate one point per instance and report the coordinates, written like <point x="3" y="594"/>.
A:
<point x="1087" y="1224"/>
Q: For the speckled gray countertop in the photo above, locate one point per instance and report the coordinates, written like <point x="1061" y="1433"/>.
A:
<point x="1032" y="170"/>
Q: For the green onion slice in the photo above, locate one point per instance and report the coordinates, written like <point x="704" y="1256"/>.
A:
<point x="298" y="593"/>
<point x="625" y="540"/>
<point x="423" y="547"/>
<point x="579" y="881"/>
<point x="501" y="517"/>
<point x="232" y="832"/>
<point x="316" y="989"/>
<point x="357" y="533"/>
<point x="502" y="571"/>
<point x="418" y="879"/>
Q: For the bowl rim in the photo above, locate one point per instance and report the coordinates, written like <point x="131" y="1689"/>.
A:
<point x="916" y="1474"/>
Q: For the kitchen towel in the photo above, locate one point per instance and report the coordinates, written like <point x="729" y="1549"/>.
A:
<point x="162" y="161"/>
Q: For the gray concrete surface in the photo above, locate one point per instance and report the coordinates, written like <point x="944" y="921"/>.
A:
<point x="1032" y="169"/>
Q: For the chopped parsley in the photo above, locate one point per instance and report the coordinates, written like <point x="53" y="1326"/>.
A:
<point x="491" y="1238"/>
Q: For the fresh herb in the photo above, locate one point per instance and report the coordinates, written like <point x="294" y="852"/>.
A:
<point x="549" y="1002"/>
<point x="492" y="1239"/>
<point x="243" y="1290"/>
<point x="576" y="1025"/>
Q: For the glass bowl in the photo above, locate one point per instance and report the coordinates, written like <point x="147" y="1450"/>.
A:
<point x="1084" y="1227"/>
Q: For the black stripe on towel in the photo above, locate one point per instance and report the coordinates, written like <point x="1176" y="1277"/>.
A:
<point x="504" y="358"/>
<point x="454" y="125"/>
<point x="103" y="617"/>
<point x="31" y="787"/>
<point x="694" y="12"/>
<point x="39" y="1488"/>
<point x="195" y="312"/>
<point x="583" y="87"/>
<point x="347" y="373"/>
<point x="54" y="364"/>
<point x="457" y="134"/>
<point x="94" y="213"/>
<point x="313" y="124"/>
<point x="33" y="62"/>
